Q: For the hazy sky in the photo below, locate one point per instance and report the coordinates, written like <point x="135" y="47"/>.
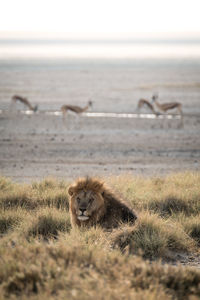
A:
<point x="100" y="17"/>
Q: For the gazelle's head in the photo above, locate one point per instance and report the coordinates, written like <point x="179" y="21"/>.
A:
<point x="154" y="97"/>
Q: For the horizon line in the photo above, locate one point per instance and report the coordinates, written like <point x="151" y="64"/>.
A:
<point x="100" y="36"/>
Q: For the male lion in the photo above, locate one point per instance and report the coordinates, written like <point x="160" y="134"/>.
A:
<point x="92" y="203"/>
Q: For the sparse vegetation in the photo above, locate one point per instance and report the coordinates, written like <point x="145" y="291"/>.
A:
<point x="42" y="257"/>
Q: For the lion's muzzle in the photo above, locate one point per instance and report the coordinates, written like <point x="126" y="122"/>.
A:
<point x="82" y="215"/>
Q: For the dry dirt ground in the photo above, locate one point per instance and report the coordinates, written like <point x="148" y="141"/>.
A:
<point x="37" y="146"/>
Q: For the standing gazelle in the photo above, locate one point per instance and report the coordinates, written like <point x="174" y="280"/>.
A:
<point x="76" y="109"/>
<point x="164" y="107"/>
<point x="25" y="101"/>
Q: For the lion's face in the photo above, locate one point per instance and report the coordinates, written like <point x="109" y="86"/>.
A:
<point x="85" y="204"/>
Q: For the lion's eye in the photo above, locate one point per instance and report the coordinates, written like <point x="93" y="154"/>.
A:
<point x="78" y="200"/>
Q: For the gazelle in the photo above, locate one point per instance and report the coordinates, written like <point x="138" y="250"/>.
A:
<point x="76" y="109"/>
<point x="25" y="101"/>
<point x="145" y="102"/>
<point x="164" y="107"/>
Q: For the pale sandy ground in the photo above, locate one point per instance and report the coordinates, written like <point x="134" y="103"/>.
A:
<point x="33" y="147"/>
<point x="37" y="146"/>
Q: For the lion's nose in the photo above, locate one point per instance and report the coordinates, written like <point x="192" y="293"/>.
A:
<point x="82" y="210"/>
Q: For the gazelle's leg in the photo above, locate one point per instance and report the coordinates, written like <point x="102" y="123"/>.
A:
<point x="137" y="110"/>
<point x="64" y="115"/>
<point x="179" y="108"/>
<point x="166" y="120"/>
<point x="169" y="123"/>
<point x="76" y="121"/>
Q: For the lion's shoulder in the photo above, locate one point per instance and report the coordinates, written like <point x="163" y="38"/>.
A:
<point x="117" y="210"/>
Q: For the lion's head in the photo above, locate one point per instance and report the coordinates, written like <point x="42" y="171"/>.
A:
<point x="86" y="201"/>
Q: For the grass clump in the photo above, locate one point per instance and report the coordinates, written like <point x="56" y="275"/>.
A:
<point x="165" y="196"/>
<point x="19" y="196"/>
<point x="54" y="198"/>
<point x="5" y="184"/>
<point x="49" y="183"/>
<point x="9" y="220"/>
<point x="153" y="237"/>
<point x="191" y="226"/>
<point x="48" y="223"/>
<point x="52" y="193"/>
<point x="48" y="193"/>
<point x="171" y="205"/>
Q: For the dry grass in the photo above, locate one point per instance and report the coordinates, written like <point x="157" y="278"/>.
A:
<point x="153" y="237"/>
<point x="48" y="193"/>
<point x="42" y="257"/>
<point x="89" y="271"/>
<point x="48" y="223"/>
<point x="9" y="220"/>
<point x="191" y="225"/>
<point x="165" y="196"/>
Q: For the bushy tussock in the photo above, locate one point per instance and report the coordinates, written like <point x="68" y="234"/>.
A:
<point x="5" y="183"/>
<point x="18" y="196"/>
<point x="153" y="237"/>
<point x="9" y="220"/>
<point x="48" y="223"/>
<point x="49" y="192"/>
<point x="49" y="183"/>
<point x="170" y="205"/>
<point x="191" y="226"/>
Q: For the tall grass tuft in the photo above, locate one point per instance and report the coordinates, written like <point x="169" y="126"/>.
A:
<point x="5" y="184"/>
<point x="48" y="193"/>
<point x="9" y="220"/>
<point x="48" y="223"/>
<point x="191" y="226"/>
<point x="153" y="237"/>
<point x="170" y="205"/>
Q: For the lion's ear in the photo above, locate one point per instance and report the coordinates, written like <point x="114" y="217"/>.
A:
<point x="71" y="190"/>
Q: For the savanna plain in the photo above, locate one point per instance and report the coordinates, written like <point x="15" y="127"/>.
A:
<point x="152" y="164"/>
